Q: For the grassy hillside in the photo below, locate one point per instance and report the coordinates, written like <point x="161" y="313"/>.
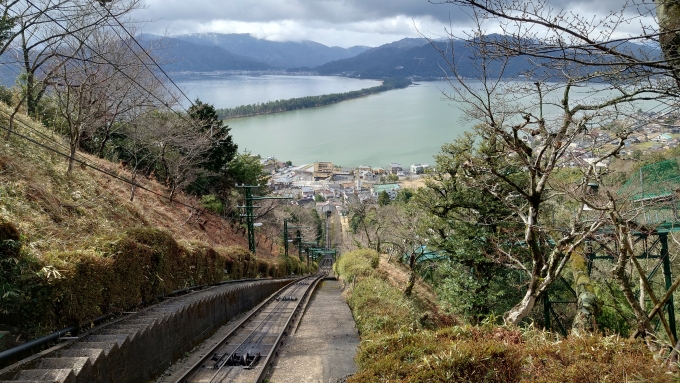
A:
<point x="403" y="341"/>
<point x="75" y="247"/>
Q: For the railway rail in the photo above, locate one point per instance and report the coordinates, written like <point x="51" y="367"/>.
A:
<point x="246" y="353"/>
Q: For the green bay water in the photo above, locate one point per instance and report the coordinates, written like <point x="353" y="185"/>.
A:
<point x="228" y="91"/>
<point x="407" y="126"/>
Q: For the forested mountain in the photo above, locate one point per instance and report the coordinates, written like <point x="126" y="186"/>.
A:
<point x="179" y="55"/>
<point x="288" y="54"/>
<point x="419" y="58"/>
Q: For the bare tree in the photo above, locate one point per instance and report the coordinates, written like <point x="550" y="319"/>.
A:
<point x="582" y="78"/>
<point x="183" y="150"/>
<point x="40" y="29"/>
<point x="140" y="150"/>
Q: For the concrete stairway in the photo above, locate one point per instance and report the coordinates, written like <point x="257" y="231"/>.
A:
<point x="141" y="346"/>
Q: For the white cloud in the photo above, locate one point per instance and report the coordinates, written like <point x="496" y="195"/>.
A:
<point x="333" y="22"/>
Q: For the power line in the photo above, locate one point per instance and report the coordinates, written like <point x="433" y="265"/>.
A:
<point x="110" y="174"/>
<point x="147" y="54"/>
<point x="115" y="66"/>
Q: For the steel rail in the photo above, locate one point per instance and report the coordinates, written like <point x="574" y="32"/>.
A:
<point x="265" y="321"/>
<point x="272" y="352"/>
<point x="193" y="370"/>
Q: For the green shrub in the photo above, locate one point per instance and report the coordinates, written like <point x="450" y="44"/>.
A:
<point x="396" y="348"/>
<point x="453" y="355"/>
<point x="361" y="262"/>
<point x="236" y="263"/>
<point x="212" y="203"/>
<point x="380" y="307"/>
<point x="138" y="266"/>
<point x="6" y="95"/>
<point x="499" y="354"/>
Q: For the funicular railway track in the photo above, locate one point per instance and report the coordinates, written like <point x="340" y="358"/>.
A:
<point x="244" y="354"/>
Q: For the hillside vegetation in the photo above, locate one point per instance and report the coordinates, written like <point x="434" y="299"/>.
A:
<point x="75" y="247"/>
<point x="402" y="343"/>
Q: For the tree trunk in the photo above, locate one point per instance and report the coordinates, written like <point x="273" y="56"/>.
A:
<point x="412" y="275"/>
<point x="668" y="15"/>
<point x="73" y="146"/>
<point x="522" y="309"/>
<point x="11" y="118"/>
<point x="644" y="326"/>
<point x="587" y="302"/>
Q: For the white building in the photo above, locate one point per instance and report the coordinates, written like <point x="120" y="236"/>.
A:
<point x="307" y="192"/>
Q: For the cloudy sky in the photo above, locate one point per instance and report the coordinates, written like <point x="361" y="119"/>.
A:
<point x="332" y="22"/>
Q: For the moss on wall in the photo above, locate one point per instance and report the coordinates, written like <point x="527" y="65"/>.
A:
<point x="139" y="265"/>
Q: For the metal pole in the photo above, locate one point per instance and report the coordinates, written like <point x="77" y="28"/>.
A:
<point x="250" y="216"/>
<point x="299" y="242"/>
<point x="328" y="234"/>
<point x="668" y="277"/>
<point x="250" y="219"/>
<point x="285" y="237"/>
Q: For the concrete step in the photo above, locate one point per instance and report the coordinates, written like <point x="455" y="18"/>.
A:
<point x="117" y="338"/>
<point x="105" y="347"/>
<point x="28" y="381"/>
<point x="139" y="323"/>
<point x="61" y="375"/>
<point x="74" y="363"/>
<point x="122" y="330"/>
<point x="110" y="355"/>
<point x="91" y="353"/>
<point x="118" y="331"/>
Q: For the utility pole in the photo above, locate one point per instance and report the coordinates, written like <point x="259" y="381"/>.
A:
<point x="285" y="236"/>
<point x="308" y="249"/>
<point x="298" y="237"/>
<point x="250" y="216"/>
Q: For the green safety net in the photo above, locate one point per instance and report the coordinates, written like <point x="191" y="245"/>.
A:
<point x="655" y="188"/>
<point x="653" y="181"/>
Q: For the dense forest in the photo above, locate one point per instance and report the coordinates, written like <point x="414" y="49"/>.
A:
<point x="309" y="101"/>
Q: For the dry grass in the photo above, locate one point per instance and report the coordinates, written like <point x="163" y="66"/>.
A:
<point x="85" y="249"/>
<point x="397" y="275"/>
<point x="414" y="183"/>
<point x="56" y="212"/>
<point x="396" y="346"/>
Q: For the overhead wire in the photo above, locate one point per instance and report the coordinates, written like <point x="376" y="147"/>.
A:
<point x="146" y="53"/>
<point x="85" y="44"/>
<point x="115" y="66"/>
<point x="74" y="158"/>
<point x="104" y="171"/>
<point x="160" y="68"/>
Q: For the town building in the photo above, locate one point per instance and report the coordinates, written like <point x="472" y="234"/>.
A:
<point x="417" y="169"/>
<point x="323" y="170"/>
<point x="394" y="168"/>
<point x="390" y="189"/>
<point x="307" y="192"/>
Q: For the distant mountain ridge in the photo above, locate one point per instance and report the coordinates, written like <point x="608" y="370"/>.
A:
<point x="405" y="58"/>
<point x="181" y="56"/>
<point x="288" y="54"/>
<point x="418" y="58"/>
